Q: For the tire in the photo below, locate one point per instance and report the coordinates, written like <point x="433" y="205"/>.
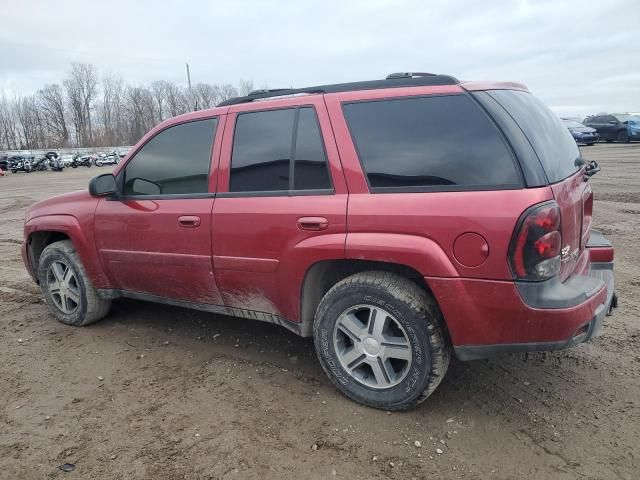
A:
<point x="89" y="307"/>
<point x="13" y="171"/>
<point x="609" y="140"/>
<point x="74" y="166"/>
<point x="623" y="137"/>
<point x="409" y="314"/>
<point x="590" y="144"/>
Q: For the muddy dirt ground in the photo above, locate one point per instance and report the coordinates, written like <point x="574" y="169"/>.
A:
<point x="190" y="395"/>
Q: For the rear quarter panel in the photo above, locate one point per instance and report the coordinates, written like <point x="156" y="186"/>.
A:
<point x="437" y="219"/>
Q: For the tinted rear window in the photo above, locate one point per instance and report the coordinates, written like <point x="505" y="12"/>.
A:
<point x="264" y="145"/>
<point x="262" y="151"/>
<point x="552" y="142"/>
<point x="429" y="143"/>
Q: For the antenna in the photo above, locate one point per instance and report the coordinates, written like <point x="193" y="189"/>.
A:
<point x="190" y="92"/>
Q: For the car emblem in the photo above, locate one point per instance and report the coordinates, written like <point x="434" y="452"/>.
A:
<point x="565" y="250"/>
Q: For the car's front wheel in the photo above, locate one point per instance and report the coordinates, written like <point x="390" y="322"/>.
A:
<point x="379" y="338"/>
<point x="68" y="291"/>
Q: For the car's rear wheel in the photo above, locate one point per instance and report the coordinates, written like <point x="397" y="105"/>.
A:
<point x="68" y="291"/>
<point x="380" y="340"/>
<point x="623" y="137"/>
<point x="590" y="144"/>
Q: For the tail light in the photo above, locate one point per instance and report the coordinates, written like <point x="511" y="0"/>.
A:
<point x="536" y="244"/>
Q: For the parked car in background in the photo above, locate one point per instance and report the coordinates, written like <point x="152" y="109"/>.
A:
<point x="394" y="243"/>
<point x="581" y="133"/>
<point x="620" y="127"/>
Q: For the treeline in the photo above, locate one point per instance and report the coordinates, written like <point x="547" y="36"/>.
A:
<point x="88" y="111"/>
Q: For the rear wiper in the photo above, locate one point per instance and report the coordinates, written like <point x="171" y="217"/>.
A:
<point x="591" y="169"/>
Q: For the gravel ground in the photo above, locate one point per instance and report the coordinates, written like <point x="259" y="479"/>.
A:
<point x="166" y="393"/>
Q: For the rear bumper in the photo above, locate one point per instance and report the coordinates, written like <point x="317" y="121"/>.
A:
<point x="486" y="317"/>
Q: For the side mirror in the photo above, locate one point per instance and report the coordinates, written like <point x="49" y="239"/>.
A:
<point x="102" y="185"/>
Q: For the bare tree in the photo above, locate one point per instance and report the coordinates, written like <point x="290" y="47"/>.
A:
<point x="177" y="100"/>
<point x="140" y="112"/>
<point x="159" y="89"/>
<point x="111" y="110"/>
<point x="8" y="131"/>
<point x="205" y="96"/>
<point x="245" y="87"/>
<point x="225" y="92"/>
<point x="52" y="106"/>
<point x="30" y="122"/>
<point x="87" y="112"/>
<point x="81" y="90"/>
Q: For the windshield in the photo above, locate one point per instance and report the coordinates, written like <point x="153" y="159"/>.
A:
<point x="552" y="142"/>
<point x="572" y="124"/>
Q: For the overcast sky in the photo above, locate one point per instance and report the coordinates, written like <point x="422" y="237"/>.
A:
<point x="579" y="56"/>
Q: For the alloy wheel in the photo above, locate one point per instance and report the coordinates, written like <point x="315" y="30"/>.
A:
<point x="63" y="287"/>
<point x="372" y="346"/>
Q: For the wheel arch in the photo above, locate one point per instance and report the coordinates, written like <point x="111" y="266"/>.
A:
<point x="43" y="231"/>
<point x="322" y="275"/>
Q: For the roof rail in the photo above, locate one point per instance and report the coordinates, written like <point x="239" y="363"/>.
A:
<point x="394" y="80"/>
<point x="409" y="75"/>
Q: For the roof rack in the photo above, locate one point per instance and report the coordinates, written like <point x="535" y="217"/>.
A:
<point x="394" y="80"/>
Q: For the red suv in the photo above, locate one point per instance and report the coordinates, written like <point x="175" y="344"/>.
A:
<point x="396" y="221"/>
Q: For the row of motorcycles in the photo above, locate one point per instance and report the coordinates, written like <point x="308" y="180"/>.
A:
<point x="54" y="162"/>
<point x="98" y="160"/>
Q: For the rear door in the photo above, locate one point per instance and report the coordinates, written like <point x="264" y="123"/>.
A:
<point x="561" y="160"/>
<point x="155" y="238"/>
<point x="609" y="126"/>
<point x="281" y="203"/>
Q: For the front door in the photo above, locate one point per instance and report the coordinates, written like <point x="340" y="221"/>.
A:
<point x="154" y="238"/>
<point x="281" y="205"/>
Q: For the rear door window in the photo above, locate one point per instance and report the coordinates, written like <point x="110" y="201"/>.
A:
<point x="554" y="145"/>
<point x="278" y="151"/>
<point x="429" y="143"/>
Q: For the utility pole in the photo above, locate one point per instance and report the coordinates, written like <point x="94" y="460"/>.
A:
<point x="190" y="92"/>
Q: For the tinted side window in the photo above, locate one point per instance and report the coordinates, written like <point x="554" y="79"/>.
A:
<point x="435" y="142"/>
<point x="264" y="145"/>
<point x="262" y="151"/>
<point x="175" y="161"/>
<point x="553" y="143"/>
<point x="311" y="169"/>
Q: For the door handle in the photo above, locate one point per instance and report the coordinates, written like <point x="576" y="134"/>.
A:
<point x="189" y="221"/>
<point x="313" y="223"/>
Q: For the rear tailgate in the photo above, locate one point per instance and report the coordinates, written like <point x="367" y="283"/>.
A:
<point x="574" y="197"/>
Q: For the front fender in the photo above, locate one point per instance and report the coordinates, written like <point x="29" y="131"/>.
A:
<point x="80" y="235"/>
<point x="420" y="253"/>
